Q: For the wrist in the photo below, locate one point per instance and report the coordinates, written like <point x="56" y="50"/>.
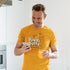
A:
<point x="52" y="55"/>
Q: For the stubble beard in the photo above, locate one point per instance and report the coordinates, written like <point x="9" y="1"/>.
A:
<point x="38" y="26"/>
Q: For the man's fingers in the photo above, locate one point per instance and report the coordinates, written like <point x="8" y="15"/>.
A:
<point x="24" y="47"/>
<point x="45" y="54"/>
<point x="28" y="49"/>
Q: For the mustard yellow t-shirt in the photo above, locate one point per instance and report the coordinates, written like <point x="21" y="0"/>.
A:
<point x="39" y="39"/>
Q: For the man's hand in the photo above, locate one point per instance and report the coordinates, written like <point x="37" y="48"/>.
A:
<point x="25" y="49"/>
<point x="20" y="49"/>
<point x="46" y="54"/>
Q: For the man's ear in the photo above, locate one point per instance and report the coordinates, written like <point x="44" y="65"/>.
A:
<point x="45" y="16"/>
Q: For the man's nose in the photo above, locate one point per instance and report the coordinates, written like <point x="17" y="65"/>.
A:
<point x="36" y="20"/>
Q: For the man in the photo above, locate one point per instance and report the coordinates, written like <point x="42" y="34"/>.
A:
<point x="41" y="38"/>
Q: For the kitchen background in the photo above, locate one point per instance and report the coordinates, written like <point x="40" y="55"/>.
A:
<point x="13" y="18"/>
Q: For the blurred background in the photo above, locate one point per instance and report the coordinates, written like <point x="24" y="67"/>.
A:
<point x="19" y="14"/>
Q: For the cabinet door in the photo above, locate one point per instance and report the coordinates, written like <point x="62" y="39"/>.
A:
<point x="3" y="24"/>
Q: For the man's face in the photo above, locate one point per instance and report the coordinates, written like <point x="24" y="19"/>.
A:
<point x="38" y="18"/>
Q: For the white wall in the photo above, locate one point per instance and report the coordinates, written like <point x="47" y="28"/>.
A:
<point x="58" y="20"/>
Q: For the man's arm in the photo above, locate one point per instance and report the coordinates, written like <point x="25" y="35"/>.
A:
<point x="20" y="49"/>
<point x="53" y="54"/>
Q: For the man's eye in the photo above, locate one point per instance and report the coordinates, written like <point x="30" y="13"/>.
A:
<point x="33" y="17"/>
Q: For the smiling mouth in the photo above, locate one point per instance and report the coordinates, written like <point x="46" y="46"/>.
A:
<point x="39" y="23"/>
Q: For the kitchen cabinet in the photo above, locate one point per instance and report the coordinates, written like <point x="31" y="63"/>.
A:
<point x="3" y="23"/>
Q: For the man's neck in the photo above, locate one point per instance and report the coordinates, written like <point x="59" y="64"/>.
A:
<point x="39" y="26"/>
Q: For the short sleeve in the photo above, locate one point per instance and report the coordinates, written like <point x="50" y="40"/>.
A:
<point x="21" y="36"/>
<point x="53" y="39"/>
